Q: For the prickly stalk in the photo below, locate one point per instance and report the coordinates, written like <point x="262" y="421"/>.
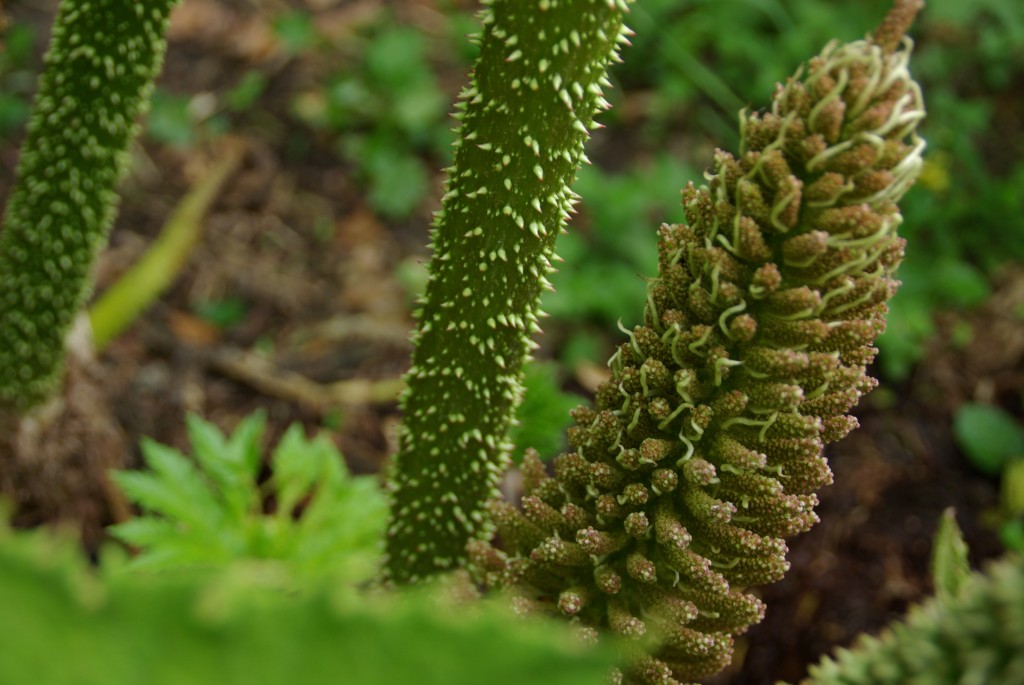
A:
<point x="99" y="70"/>
<point x="524" y="119"/>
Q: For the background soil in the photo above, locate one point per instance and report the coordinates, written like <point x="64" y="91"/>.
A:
<point x="324" y="307"/>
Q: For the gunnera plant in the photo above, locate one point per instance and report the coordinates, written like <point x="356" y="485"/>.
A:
<point x="704" y="451"/>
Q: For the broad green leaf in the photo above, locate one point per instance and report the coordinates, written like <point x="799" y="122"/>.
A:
<point x="395" y="59"/>
<point x="989" y="436"/>
<point x="14" y="112"/>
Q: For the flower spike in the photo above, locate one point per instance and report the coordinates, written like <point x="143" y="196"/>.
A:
<point x="704" y="452"/>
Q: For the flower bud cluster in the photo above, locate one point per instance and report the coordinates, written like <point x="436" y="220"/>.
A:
<point x="704" y="451"/>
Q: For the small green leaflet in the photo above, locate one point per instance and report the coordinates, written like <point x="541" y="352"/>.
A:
<point x="210" y="511"/>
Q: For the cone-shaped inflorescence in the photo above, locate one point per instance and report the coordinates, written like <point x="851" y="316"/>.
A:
<point x="524" y="119"/>
<point x="704" y="451"/>
<point x="100" y="67"/>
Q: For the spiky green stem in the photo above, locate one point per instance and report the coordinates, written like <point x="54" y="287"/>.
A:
<point x="704" y="452"/>
<point x="535" y="90"/>
<point x="99" y="69"/>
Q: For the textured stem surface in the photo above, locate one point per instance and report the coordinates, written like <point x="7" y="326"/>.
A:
<point x="99" y="70"/>
<point x="525" y="117"/>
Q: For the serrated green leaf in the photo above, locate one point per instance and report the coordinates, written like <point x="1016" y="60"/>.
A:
<point x="325" y="522"/>
<point x="297" y="466"/>
<point x="231" y="464"/>
<point x="341" y="530"/>
<point x="244" y="443"/>
<point x="174" y="489"/>
<point x="210" y="447"/>
<point x="231" y="479"/>
<point x="172" y="542"/>
<point x="142" y="531"/>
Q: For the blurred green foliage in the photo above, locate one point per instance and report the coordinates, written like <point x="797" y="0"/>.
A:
<point x="183" y="120"/>
<point x="993" y="441"/>
<point x="615" y="244"/>
<point x="246" y="92"/>
<point x="543" y="416"/>
<point x="989" y="436"/>
<point x="295" y="30"/>
<point x="387" y="112"/>
<point x="967" y="217"/>
<point x="223" y="313"/>
<point x="17" y="78"/>
<point x="694" y="63"/>
<point x="67" y="623"/>
<point x="702" y="60"/>
<point x="169" y="119"/>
